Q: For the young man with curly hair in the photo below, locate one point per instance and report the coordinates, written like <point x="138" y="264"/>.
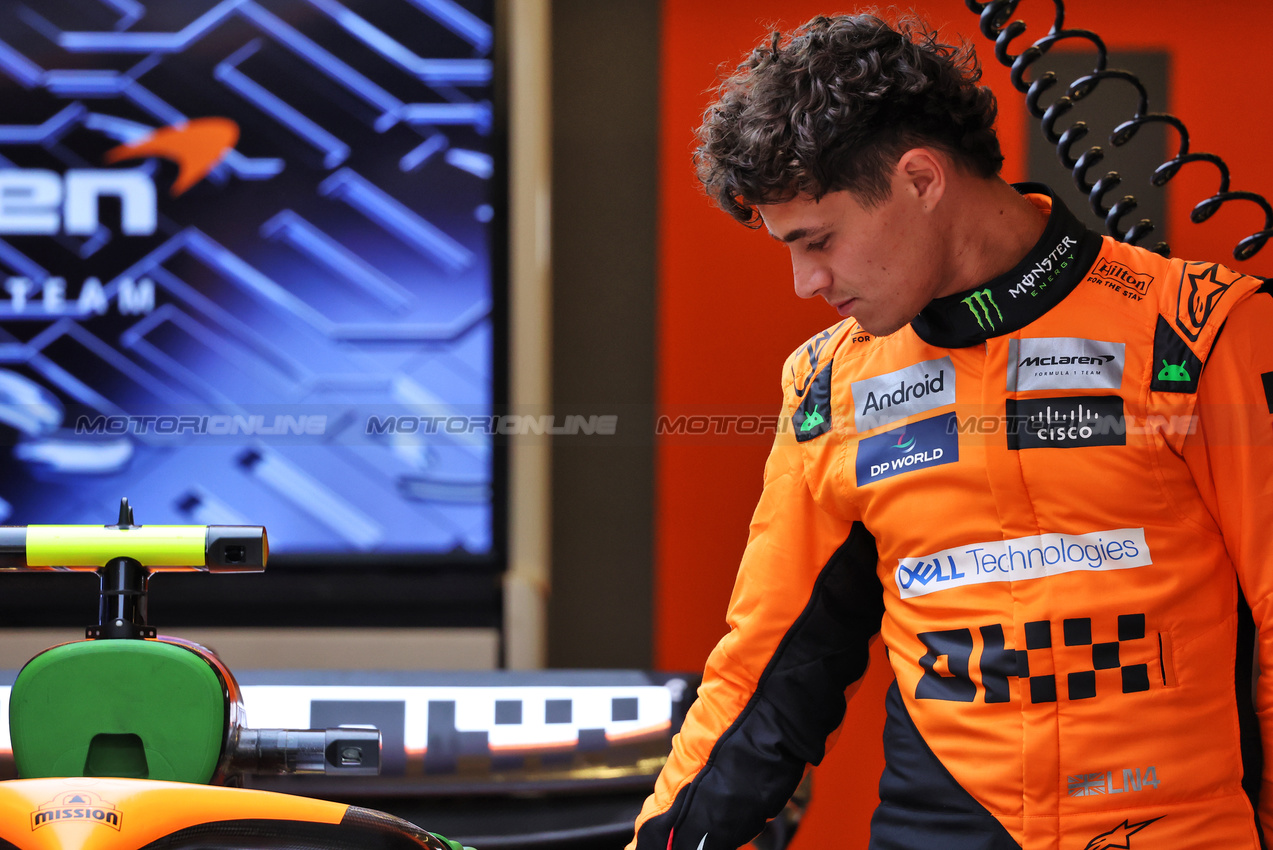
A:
<point x="1005" y="461"/>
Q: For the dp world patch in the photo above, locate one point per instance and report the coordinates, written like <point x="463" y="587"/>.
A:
<point x="916" y="445"/>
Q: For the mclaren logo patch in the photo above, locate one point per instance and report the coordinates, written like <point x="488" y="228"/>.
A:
<point x="1064" y="363"/>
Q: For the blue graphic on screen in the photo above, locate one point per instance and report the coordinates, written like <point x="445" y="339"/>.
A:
<point x="240" y="242"/>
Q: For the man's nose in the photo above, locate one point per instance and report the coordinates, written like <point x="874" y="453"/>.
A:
<point x="810" y="278"/>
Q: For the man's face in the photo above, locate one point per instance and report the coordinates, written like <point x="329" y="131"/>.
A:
<point x="880" y="265"/>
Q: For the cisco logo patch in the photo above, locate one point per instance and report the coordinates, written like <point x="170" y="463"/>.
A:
<point x="917" y="445"/>
<point x="1066" y="423"/>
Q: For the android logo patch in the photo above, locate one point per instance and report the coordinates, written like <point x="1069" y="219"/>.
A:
<point x="1173" y="372"/>
<point x="1175" y="368"/>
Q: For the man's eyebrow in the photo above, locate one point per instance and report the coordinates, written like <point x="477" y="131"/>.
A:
<point x="798" y="233"/>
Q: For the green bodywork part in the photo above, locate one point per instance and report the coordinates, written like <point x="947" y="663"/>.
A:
<point x="454" y="845"/>
<point x="134" y="708"/>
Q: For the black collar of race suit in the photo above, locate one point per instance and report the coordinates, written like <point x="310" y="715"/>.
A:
<point x="1009" y="302"/>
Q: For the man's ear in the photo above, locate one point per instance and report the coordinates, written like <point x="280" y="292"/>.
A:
<point x="922" y="173"/>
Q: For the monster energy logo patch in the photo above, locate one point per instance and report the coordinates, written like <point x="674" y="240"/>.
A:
<point x="980" y="303"/>
<point x="1046" y="269"/>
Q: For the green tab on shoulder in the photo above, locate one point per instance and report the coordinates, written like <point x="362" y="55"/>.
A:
<point x="1176" y="368"/>
<point x="813" y="417"/>
<point x="1190" y="319"/>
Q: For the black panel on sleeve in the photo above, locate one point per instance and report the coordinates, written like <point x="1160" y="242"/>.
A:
<point x="758" y="761"/>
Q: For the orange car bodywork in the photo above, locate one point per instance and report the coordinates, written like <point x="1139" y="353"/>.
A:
<point x="109" y="814"/>
<point x="1062" y="507"/>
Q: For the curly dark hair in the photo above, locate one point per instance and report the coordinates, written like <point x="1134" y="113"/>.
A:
<point x="834" y="106"/>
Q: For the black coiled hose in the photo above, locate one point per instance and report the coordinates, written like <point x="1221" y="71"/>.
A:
<point x="995" y="26"/>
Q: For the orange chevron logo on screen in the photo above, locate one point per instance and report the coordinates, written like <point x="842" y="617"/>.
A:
<point x="196" y="146"/>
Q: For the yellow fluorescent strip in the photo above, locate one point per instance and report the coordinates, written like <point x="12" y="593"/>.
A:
<point x="90" y="546"/>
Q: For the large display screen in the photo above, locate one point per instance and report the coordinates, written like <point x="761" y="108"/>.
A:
<point x="246" y="249"/>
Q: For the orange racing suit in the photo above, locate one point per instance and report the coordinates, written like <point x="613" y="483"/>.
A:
<point x="1043" y="505"/>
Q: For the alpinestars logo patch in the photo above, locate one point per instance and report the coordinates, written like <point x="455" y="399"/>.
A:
<point x="813" y="350"/>
<point x="1201" y="289"/>
<point x="1118" y="837"/>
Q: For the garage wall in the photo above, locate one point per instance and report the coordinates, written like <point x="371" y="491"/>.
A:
<point x="605" y="65"/>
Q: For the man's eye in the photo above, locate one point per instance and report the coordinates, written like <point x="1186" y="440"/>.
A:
<point x="819" y="245"/>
